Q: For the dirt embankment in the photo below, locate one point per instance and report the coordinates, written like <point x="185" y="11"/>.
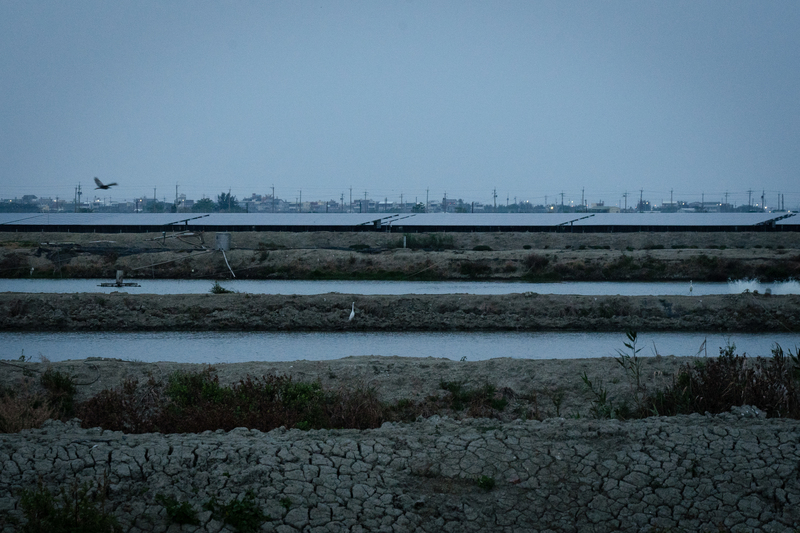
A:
<point x="119" y="311"/>
<point x="375" y="255"/>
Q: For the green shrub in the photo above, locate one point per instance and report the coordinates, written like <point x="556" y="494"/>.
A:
<point x="475" y="269"/>
<point x="430" y="241"/>
<point x="242" y="514"/>
<point x="485" y="482"/>
<point x="61" y="389"/>
<point x="78" y="509"/>
<point x="717" y="384"/>
<point x="219" y="289"/>
<point x="178" y="512"/>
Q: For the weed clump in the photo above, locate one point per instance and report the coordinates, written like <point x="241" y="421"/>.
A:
<point x="80" y="508"/>
<point x="713" y="385"/>
<point x="219" y="289"/>
<point x="178" y="512"/>
<point x="244" y="515"/>
<point x="430" y="241"/>
<point x="195" y="402"/>
<point x="730" y="380"/>
<point x="22" y="408"/>
<point x="61" y="388"/>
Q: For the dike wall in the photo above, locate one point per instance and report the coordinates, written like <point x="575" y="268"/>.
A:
<point x="732" y="472"/>
<point x="119" y="311"/>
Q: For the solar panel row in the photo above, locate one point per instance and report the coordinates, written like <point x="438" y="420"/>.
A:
<point x="264" y="221"/>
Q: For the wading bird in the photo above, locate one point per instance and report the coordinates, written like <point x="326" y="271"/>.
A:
<point x="352" y="311"/>
<point x="101" y="186"/>
<point x="690" y="287"/>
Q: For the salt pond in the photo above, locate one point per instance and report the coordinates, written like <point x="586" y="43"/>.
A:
<point x="235" y="347"/>
<point x="170" y="286"/>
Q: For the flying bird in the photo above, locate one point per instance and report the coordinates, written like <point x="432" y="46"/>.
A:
<point x="352" y="311"/>
<point x="101" y="186"/>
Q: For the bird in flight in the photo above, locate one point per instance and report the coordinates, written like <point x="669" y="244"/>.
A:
<point x="101" y="186"/>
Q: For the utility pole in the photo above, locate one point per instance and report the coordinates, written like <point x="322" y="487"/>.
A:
<point x="562" y="198"/>
<point x="300" y="206"/>
<point x="342" y="198"/>
<point x="749" y="198"/>
<point x="427" y="204"/>
<point x="155" y="200"/>
<point x="350" y="207"/>
<point x="641" y="194"/>
<point x="273" y="198"/>
<point x="762" y="200"/>
<point x="670" y="198"/>
<point x="702" y="200"/>
<point x="726" y="199"/>
<point x="401" y="202"/>
<point x="445" y="201"/>
<point x="625" y="195"/>
<point x="494" y="196"/>
<point x="582" y="189"/>
<point x="365" y="201"/>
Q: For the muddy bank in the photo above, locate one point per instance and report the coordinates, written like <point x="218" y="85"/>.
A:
<point x="375" y="255"/>
<point x="119" y="311"/>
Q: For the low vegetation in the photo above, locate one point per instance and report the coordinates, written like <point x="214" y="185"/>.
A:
<point x="712" y="385"/>
<point x="75" y="508"/>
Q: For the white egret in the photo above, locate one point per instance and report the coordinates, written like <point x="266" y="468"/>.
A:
<point x="352" y="311"/>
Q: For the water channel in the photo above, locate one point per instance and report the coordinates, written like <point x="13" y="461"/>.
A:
<point x="233" y="347"/>
<point x="174" y="286"/>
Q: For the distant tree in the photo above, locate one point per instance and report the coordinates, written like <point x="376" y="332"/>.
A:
<point x="206" y="205"/>
<point x="228" y="204"/>
<point x="418" y="208"/>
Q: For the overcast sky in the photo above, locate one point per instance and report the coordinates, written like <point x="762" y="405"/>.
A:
<point x="532" y="98"/>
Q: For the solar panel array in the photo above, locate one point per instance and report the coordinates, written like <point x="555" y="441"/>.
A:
<point x="480" y="221"/>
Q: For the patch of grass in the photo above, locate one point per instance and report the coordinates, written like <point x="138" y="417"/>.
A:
<point x="477" y="400"/>
<point x="22" y="408"/>
<point x="178" y="512"/>
<point x="475" y="269"/>
<point x="219" y="289"/>
<point x="78" y="508"/>
<point x="243" y="514"/>
<point x="61" y="388"/>
<point x="717" y="384"/>
<point x="428" y="241"/>
<point x="485" y="482"/>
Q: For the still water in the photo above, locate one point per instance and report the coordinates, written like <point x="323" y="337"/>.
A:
<point x="170" y="286"/>
<point x="234" y="347"/>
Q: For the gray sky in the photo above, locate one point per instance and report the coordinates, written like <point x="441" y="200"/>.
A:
<point x="533" y="98"/>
